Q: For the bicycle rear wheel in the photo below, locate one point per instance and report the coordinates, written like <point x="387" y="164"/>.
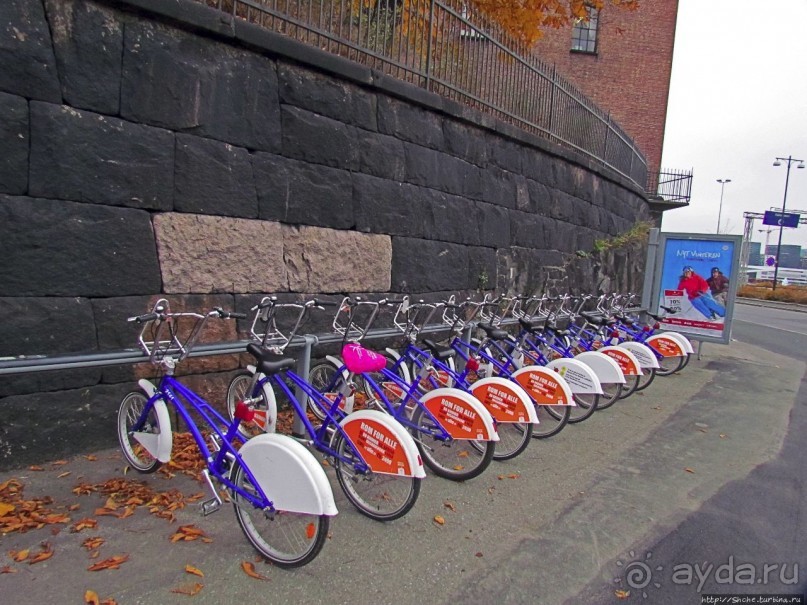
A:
<point x="131" y="407"/>
<point x="610" y="394"/>
<point x="285" y="538"/>
<point x="514" y="437"/>
<point x="375" y="495"/>
<point x="322" y="377"/>
<point x="587" y="404"/>
<point x="646" y="379"/>
<point x="238" y="390"/>
<point x="551" y="420"/>
<point x="455" y="459"/>
<point x="670" y="365"/>
<point x="631" y="385"/>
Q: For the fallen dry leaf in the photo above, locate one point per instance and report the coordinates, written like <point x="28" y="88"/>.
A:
<point x="64" y="474"/>
<point x="439" y="520"/>
<point x="193" y="570"/>
<point x="43" y="555"/>
<point x="450" y="506"/>
<point x="58" y="463"/>
<point x="689" y="470"/>
<point x="91" y="457"/>
<point x="622" y="594"/>
<point x="91" y="597"/>
<point x="35" y="467"/>
<point x="7" y="569"/>
<point x="18" y="556"/>
<point x="93" y="543"/>
<point x="249" y="569"/>
<point x="6" y="508"/>
<point x="189" y="589"/>
<point x="84" y="524"/>
<point x="458" y="467"/>
<point x="479" y="554"/>
<point x="110" y="563"/>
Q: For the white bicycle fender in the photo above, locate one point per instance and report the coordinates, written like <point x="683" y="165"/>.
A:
<point x="666" y="346"/>
<point x="404" y="366"/>
<point x="158" y="445"/>
<point x="645" y="355"/>
<point x="383" y="443"/>
<point x="505" y="400"/>
<point x="337" y="363"/>
<point x="627" y="361"/>
<point x="681" y="339"/>
<point x="546" y="386"/>
<point x="460" y="414"/>
<point x="580" y="377"/>
<point x="607" y="369"/>
<point x="289" y="475"/>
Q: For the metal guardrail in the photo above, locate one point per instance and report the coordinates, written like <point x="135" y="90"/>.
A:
<point x="24" y="364"/>
<point x="451" y="49"/>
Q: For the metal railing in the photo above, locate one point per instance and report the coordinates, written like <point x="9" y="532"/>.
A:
<point x="671" y="185"/>
<point x="449" y="48"/>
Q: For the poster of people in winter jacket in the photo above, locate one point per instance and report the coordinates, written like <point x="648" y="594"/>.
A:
<point x="698" y="282"/>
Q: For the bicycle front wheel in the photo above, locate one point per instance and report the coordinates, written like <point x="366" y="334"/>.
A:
<point x="514" y="437"/>
<point x="551" y="420"/>
<point x="455" y="459"/>
<point x="285" y="538"/>
<point x="378" y="496"/>
<point x="131" y="408"/>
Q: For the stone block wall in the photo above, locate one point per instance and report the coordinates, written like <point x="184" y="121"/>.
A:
<point x="152" y="149"/>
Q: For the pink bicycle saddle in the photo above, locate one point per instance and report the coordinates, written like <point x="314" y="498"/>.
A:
<point x="359" y="360"/>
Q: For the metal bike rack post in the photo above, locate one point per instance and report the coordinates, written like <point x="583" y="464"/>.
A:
<point x="303" y="369"/>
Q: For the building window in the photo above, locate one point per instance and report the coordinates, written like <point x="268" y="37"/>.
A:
<point x="584" y="33"/>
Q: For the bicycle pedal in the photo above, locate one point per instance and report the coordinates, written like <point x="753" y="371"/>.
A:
<point x="208" y="507"/>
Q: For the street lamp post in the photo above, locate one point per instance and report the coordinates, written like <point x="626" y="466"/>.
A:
<point x="720" y="211"/>
<point x="778" y="162"/>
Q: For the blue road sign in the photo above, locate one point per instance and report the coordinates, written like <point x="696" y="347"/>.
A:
<point x="784" y="219"/>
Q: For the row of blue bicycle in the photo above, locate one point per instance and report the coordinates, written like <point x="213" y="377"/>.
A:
<point x="453" y="403"/>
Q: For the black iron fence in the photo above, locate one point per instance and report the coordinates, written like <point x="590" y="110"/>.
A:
<point x="449" y="48"/>
<point x="670" y="185"/>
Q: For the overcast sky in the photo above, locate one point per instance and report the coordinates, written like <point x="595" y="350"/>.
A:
<point x="738" y="99"/>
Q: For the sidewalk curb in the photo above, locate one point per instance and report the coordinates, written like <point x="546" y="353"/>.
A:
<point x="774" y="304"/>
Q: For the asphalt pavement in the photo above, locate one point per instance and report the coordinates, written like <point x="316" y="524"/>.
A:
<point x="559" y="524"/>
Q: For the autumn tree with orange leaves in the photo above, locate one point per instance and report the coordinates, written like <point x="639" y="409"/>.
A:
<point x="525" y="19"/>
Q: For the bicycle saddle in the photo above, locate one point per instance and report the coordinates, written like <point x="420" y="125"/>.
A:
<point x="269" y="363"/>
<point x="532" y="325"/>
<point x="494" y="332"/>
<point x="359" y="360"/>
<point x="437" y="352"/>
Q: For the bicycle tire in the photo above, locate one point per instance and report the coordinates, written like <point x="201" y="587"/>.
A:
<point x="131" y="407"/>
<point x="285" y="538"/>
<point x="454" y="459"/>
<point x="686" y="359"/>
<point x="631" y="385"/>
<point x="321" y="377"/>
<point x="379" y="496"/>
<point x="667" y="366"/>
<point x="237" y="391"/>
<point x="610" y="395"/>
<point x="587" y="404"/>
<point x="646" y="379"/>
<point x="514" y="437"/>
<point x="552" y="419"/>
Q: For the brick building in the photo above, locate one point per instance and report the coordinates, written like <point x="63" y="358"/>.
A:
<point x="622" y="61"/>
